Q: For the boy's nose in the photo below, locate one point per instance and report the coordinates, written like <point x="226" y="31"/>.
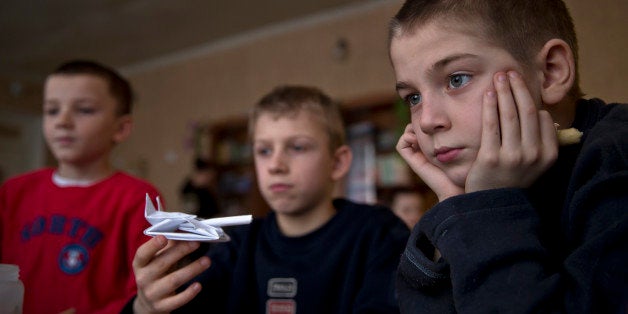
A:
<point x="278" y="163"/>
<point x="63" y="119"/>
<point x="433" y="118"/>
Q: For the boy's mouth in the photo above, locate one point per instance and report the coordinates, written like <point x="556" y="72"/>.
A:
<point x="446" y="154"/>
<point x="64" y="140"/>
<point x="280" y="187"/>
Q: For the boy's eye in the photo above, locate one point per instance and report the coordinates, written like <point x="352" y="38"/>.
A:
<point x="51" y="111"/>
<point x="413" y="99"/>
<point x="298" y="147"/>
<point x="458" y="80"/>
<point x="262" y="151"/>
<point x="86" y="110"/>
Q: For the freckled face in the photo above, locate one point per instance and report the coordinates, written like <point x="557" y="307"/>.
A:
<point x="442" y="74"/>
<point x="293" y="162"/>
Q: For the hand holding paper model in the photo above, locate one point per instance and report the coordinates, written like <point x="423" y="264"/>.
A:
<point x="185" y="227"/>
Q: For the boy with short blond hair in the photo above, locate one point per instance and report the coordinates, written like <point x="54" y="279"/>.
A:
<point x="73" y="229"/>
<point x="311" y="254"/>
<point x="523" y="225"/>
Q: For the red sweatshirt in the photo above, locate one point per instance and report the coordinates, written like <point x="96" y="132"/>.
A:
<point x="74" y="245"/>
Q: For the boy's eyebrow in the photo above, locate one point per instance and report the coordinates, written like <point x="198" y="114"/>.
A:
<point x="401" y="85"/>
<point x="444" y="62"/>
<point x="439" y="65"/>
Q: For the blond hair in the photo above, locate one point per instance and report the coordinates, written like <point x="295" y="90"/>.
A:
<point x="290" y="100"/>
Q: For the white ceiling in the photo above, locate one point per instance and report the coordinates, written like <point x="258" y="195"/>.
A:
<point x="35" y="36"/>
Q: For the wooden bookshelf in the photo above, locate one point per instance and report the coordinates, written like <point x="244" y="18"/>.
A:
<point x="237" y="185"/>
<point x="374" y="125"/>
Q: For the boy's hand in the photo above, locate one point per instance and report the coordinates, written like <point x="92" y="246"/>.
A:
<point x="435" y="178"/>
<point x="156" y="285"/>
<point x="519" y="141"/>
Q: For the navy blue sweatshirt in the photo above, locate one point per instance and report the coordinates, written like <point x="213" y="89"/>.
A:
<point x="346" y="266"/>
<point x="560" y="246"/>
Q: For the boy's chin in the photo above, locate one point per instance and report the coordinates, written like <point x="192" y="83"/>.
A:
<point x="282" y="206"/>
<point x="287" y="211"/>
<point x="458" y="178"/>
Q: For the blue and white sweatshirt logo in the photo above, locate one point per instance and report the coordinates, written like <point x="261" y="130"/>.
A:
<point x="73" y="257"/>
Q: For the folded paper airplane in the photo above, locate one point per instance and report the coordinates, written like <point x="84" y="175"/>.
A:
<point x="185" y="227"/>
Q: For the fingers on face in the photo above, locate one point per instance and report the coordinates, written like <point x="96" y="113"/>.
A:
<point x="508" y="115"/>
<point x="526" y="133"/>
<point x="491" y="135"/>
<point x="409" y="132"/>
<point x="526" y="110"/>
<point x="408" y="139"/>
<point x="548" y="137"/>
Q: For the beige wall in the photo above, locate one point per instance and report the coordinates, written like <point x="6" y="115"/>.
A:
<point x="222" y="81"/>
<point x="602" y="28"/>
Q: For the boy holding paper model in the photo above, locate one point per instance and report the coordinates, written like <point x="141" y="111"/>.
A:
<point x="73" y="229"/>
<point x="523" y="225"/>
<point x="311" y="254"/>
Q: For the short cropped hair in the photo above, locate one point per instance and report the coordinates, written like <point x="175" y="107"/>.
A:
<point x="521" y="27"/>
<point x="119" y="87"/>
<point x="291" y="100"/>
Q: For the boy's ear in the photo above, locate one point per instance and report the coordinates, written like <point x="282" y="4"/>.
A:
<point x="342" y="162"/>
<point x="559" y="71"/>
<point x="123" y="128"/>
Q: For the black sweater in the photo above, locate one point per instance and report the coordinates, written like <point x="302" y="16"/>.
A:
<point x="560" y="246"/>
<point x="346" y="266"/>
